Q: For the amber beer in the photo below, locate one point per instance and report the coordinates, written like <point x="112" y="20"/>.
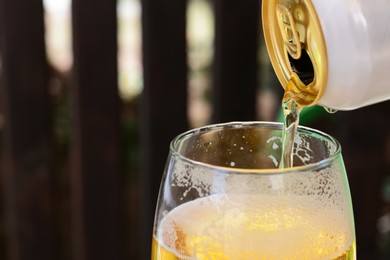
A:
<point x="242" y="227"/>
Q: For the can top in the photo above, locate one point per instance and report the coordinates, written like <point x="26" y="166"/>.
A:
<point x="296" y="47"/>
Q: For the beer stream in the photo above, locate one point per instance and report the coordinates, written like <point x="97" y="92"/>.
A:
<point x="291" y="111"/>
<point x="294" y="101"/>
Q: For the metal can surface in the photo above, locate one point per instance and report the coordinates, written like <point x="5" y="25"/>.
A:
<point x="339" y="49"/>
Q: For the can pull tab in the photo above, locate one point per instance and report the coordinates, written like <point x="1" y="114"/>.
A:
<point x="296" y="45"/>
<point x="289" y="32"/>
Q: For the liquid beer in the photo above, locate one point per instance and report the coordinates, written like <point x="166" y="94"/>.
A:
<point x="244" y="227"/>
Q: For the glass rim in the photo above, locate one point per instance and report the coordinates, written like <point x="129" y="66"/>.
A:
<point x="266" y="171"/>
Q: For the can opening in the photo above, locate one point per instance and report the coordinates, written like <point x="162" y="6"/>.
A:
<point x="303" y="67"/>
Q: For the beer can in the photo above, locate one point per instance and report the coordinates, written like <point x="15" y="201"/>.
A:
<point x="339" y="49"/>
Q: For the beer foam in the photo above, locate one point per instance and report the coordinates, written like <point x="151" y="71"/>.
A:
<point x="298" y="210"/>
<point x="308" y="207"/>
<point x="191" y="178"/>
<point x="302" y="149"/>
<point x="255" y="227"/>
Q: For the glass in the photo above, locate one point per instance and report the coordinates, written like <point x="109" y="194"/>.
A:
<point x="223" y="196"/>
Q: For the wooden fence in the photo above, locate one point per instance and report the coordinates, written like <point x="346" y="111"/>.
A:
<point x="36" y="224"/>
<point x="96" y="192"/>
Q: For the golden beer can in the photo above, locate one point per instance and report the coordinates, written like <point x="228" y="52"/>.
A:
<point x="337" y="52"/>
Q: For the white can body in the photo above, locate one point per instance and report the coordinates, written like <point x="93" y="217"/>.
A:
<point x="357" y="39"/>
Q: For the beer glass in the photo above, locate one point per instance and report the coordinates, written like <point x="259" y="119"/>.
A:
<point x="223" y="196"/>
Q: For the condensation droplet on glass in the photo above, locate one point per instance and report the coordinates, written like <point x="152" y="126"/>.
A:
<point x="234" y="144"/>
<point x="242" y="148"/>
<point x="232" y="164"/>
<point x="243" y="137"/>
<point x="273" y="159"/>
<point x="250" y="150"/>
<point x="330" y="110"/>
<point x="208" y="144"/>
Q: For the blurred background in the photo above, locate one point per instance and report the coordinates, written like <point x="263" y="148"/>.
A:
<point x="92" y="92"/>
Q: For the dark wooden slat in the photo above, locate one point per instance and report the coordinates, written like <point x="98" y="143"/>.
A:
<point x="235" y="65"/>
<point x="95" y="176"/>
<point x="164" y="99"/>
<point x="26" y="172"/>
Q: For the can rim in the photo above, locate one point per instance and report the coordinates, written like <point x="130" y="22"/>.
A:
<point x="314" y="44"/>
